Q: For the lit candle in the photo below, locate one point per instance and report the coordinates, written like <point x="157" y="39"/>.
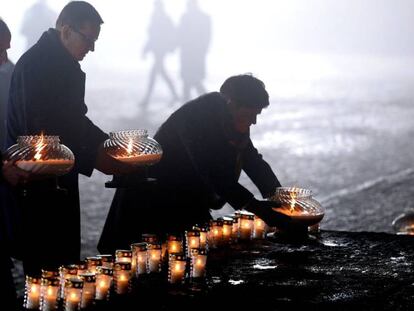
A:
<point x="246" y="225"/>
<point x="174" y="244"/>
<point x="73" y="294"/>
<point x="203" y="235"/>
<point x="176" y="268"/>
<point x="50" y="273"/>
<point x="122" y="277"/>
<point x="139" y="258"/>
<point x="104" y="277"/>
<point x="122" y="255"/>
<point x="259" y="228"/>
<point x="92" y="263"/>
<point x="107" y="260"/>
<point x="89" y="289"/>
<point x="66" y="272"/>
<point x="32" y="293"/>
<point x="49" y="289"/>
<point x="192" y="240"/>
<point x="235" y="227"/>
<point x="198" y="262"/>
<point x="154" y="257"/>
<point x="215" y="236"/>
<point x="150" y="238"/>
<point x="227" y="229"/>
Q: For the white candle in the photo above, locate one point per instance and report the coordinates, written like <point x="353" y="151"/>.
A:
<point x="103" y="282"/>
<point x="123" y="256"/>
<point x="227" y="229"/>
<point x="215" y="236"/>
<point x="88" y="292"/>
<point x="32" y="293"/>
<point x="246" y="226"/>
<point x="92" y="263"/>
<point x="49" y="294"/>
<point x="259" y="229"/>
<point x="122" y="277"/>
<point x="154" y="257"/>
<point x="176" y="268"/>
<point x="198" y="263"/>
<point x="73" y="299"/>
<point x="174" y="245"/>
<point x="193" y="240"/>
<point x="107" y="260"/>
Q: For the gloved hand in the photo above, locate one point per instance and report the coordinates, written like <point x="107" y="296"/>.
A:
<point x="263" y="209"/>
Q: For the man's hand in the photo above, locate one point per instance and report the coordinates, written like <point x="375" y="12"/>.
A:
<point x="14" y="175"/>
<point x="263" y="209"/>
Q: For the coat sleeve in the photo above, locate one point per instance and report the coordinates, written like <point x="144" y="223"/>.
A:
<point x="259" y="171"/>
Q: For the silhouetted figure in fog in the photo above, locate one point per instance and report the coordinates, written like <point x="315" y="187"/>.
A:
<point x="36" y="19"/>
<point x="194" y="33"/>
<point x="161" y="41"/>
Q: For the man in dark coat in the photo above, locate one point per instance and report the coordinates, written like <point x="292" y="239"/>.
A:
<point x="206" y="143"/>
<point x="47" y="96"/>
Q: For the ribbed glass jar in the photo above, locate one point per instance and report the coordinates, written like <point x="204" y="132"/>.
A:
<point x="404" y="223"/>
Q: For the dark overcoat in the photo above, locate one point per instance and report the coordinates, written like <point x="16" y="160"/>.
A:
<point x="199" y="170"/>
<point x="47" y="96"/>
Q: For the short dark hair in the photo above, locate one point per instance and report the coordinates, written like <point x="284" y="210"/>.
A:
<point x="4" y="30"/>
<point x="77" y="13"/>
<point x="245" y="90"/>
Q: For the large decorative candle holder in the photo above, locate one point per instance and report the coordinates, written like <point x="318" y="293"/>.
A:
<point x="203" y="235"/>
<point x="93" y="262"/>
<point x="404" y="223"/>
<point x="227" y="229"/>
<point x="176" y="268"/>
<point x="297" y="203"/>
<point x="215" y="236"/>
<point x="139" y="258"/>
<point x="89" y="289"/>
<point x="154" y="258"/>
<point x="104" y="277"/>
<point x="107" y="260"/>
<point x="122" y="277"/>
<point x="198" y="263"/>
<point x="123" y="255"/>
<point x="192" y="238"/>
<point x="49" y="290"/>
<point x="66" y="272"/>
<point x="246" y="225"/>
<point x="73" y="294"/>
<point x="41" y="155"/>
<point x="259" y="228"/>
<point x="32" y="293"/>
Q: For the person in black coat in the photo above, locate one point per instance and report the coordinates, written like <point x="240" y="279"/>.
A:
<point x="47" y="96"/>
<point x="206" y="143"/>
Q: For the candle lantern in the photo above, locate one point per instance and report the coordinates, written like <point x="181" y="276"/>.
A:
<point x="246" y="225"/>
<point x="139" y="258"/>
<point x="92" y="263"/>
<point x="198" y="262"/>
<point x="203" y="235"/>
<point x="176" y="268"/>
<point x="107" y="260"/>
<point x="174" y="244"/>
<point x="122" y="255"/>
<point x="299" y="206"/>
<point x="404" y="223"/>
<point x="46" y="273"/>
<point x="73" y="294"/>
<point x="41" y="155"/>
<point x="259" y="228"/>
<point x="149" y="238"/>
<point x="215" y="236"/>
<point x="49" y="290"/>
<point x="66" y="272"/>
<point x="154" y="257"/>
<point x="133" y="147"/>
<point x="89" y="289"/>
<point x="192" y="238"/>
<point x="32" y="293"/>
<point x="82" y="267"/>
<point x="227" y="229"/>
<point x="235" y="226"/>
<point x="104" y="277"/>
<point x="122" y="277"/>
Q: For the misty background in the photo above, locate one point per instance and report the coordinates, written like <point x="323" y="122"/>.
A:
<point x="340" y="78"/>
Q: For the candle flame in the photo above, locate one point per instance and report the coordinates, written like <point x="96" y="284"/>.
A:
<point x="216" y="232"/>
<point x="102" y="283"/>
<point x="33" y="288"/>
<point x="177" y="267"/>
<point x="73" y="296"/>
<point x="199" y="262"/>
<point x="225" y="231"/>
<point x="173" y="247"/>
<point x="39" y="147"/>
<point x="193" y="242"/>
<point x="49" y="291"/>
<point x="122" y="277"/>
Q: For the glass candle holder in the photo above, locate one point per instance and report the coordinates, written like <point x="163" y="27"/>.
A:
<point x="192" y="238"/>
<point x="107" y="260"/>
<point x="122" y="255"/>
<point x="104" y="277"/>
<point x="176" y="268"/>
<point x="82" y="267"/>
<point x="139" y="258"/>
<point x="198" y="263"/>
<point x="49" y="294"/>
<point x="404" y="223"/>
<point x="154" y="257"/>
<point x="122" y="277"/>
<point x="174" y="244"/>
<point x="246" y="226"/>
<point x="235" y="226"/>
<point x="92" y="263"/>
<point x="31" y="293"/>
<point x="259" y="228"/>
<point x="89" y="289"/>
<point x="73" y="294"/>
<point x="227" y="229"/>
<point x="215" y="236"/>
<point x="203" y="235"/>
<point x="41" y="155"/>
<point x="149" y="238"/>
<point x="46" y="273"/>
<point x="66" y="272"/>
<point x="133" y="147"/>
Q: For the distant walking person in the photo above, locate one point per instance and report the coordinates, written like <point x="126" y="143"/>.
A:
<point x="161" y="41"/>
<point x="194" y="33"/>
<point x="36" y="19"/>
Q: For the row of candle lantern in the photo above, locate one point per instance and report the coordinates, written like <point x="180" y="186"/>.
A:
<point x="78" y="286"/>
